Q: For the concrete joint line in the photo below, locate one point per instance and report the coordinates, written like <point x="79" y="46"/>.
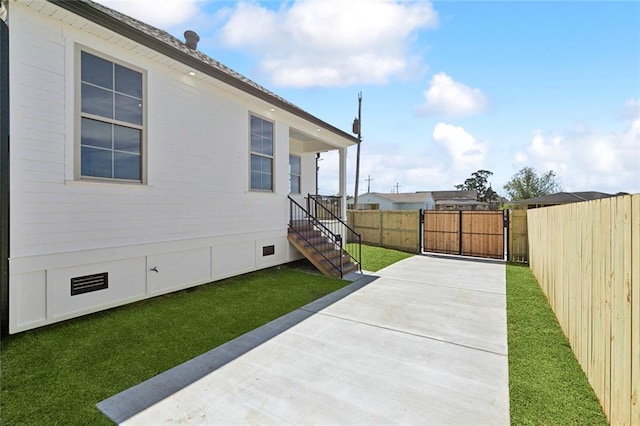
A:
<point x="449" y="286"/>
<point x="405" y="332"/>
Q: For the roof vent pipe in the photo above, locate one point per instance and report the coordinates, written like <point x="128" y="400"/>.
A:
<point x="191" y="39"/>
<point x="3" y="11"/>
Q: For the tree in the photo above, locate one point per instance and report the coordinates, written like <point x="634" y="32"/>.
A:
<point x="528" y="184"/>
<point x="478" y="182"/>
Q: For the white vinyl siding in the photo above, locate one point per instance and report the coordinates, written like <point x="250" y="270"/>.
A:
<point x="194" y="217"/>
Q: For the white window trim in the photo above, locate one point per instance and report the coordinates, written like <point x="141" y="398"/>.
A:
<point x="78" y="115"/>
<point x="272" y="157"/>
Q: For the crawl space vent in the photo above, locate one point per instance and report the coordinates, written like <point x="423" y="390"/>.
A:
<point x="89" y="283"/>
<point x="268" y="250"/>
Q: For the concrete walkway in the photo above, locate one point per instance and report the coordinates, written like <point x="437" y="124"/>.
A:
<point x="424" y="343"/>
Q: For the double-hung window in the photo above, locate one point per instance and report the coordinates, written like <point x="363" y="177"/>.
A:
<point x="295" y="171"/>
<point x="261" y="154"/>
<point x="111" y="120"/>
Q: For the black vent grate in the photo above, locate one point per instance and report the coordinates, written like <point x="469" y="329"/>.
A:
<point x="89" y="283"/>
<point x="268" y="250"/>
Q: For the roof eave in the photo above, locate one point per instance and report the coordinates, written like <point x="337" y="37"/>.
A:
<point x="92" y="14"/>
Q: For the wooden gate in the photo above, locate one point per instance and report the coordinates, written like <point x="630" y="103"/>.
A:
<point x="464" y="232"/>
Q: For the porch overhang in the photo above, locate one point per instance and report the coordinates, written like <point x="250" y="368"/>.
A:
<point x="319" y="140"/>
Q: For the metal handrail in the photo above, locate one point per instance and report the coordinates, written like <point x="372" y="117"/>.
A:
<point x="343" y="223"/>
<point x="335" y="217"/>
<point x="331" y="203"/>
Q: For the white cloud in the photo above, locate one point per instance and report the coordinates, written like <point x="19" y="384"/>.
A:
<point x="589" y="160"/>
<point x="521" y="157"/>
<point x="163" y="14"/>
<point x="322" y="43"/>
<point x="415" y="168"/>
<point x="447" y="97"/>
<point x="465" y="151"/>
<point x="631" y="109"/>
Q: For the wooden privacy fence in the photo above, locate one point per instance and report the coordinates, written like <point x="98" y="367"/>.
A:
<point x="387" y="228"/>
<point x="481" y="231"/>
<point x="586" y="257"/>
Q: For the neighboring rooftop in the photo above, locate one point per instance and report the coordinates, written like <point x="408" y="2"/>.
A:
<point x="440" y="197"/>
<point x="454" y="195"/>
<point x="410" y="197"/>
<point x="566" y="197"/>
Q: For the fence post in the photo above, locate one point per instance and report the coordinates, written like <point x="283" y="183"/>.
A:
<point x="507" y="225"/>
<point x="420" y="229"/>
<point x="460" y="232"/>
<point x="380" y="242"/>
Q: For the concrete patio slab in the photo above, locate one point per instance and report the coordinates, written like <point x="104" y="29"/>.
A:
<point x="411" y="347"/>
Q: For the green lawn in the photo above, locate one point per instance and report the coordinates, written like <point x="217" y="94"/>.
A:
<point x="376" y="258"/>
<point x="56" y="375"/>
<point x="546" y="384"/>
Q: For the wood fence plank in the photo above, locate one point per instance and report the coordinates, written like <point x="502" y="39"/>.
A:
<point x="597" y="321"/>
<point x="635" y="313"/>
<point x="576" y="307"/>
<point x="621" y="311"/>
<point x="518" y="242"/>
<point x="587" y="287"/>
<point x="605" y="226"/>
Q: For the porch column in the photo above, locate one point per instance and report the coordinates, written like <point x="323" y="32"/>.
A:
<point x="343" y="182"/>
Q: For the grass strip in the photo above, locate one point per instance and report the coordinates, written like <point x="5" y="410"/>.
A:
<point x="56" y="374"/>
<point x="376" y="258"/>
<point x="546" y="384"/>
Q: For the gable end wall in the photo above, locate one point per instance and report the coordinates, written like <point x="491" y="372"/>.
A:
<point x="195" y="221"/>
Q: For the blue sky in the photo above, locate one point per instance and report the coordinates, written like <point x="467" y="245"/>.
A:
<point x="449" y="87"/>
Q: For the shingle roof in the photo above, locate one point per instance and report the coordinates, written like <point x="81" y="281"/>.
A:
<point x="169" y="45"/>
<point x="454" y="195"/>
<point x="458" y="202"/>
<point x="416" y="197"/>
<point x="565" y="197"/>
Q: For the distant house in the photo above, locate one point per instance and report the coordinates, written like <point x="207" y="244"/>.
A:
<point x="562" y="198"/>
<point x="392" y="201"/>
<point x="138" y="165"/>
<point x="426" y="200"/>
<point x="453" y="200"/>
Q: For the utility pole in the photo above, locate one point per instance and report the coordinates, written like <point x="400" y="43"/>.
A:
<point x="368" y="184"/>
<point x="397" y="187"/>
<point x="357" y="128"/>
<point x="317" y="170"/>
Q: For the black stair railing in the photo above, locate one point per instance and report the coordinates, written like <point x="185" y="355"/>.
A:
<point x="301" y="220"/>
<point x="331" y="203"/>
<point x="332" y="221"/>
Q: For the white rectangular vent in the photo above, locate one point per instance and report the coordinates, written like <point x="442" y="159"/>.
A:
<point x="89" y="283"/>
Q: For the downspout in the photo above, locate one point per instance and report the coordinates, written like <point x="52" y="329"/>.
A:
<point x="4" y="172"/>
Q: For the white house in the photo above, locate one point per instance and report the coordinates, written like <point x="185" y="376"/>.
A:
<point x="452" y="200"/>
<point x="392" y="201"/>
<point x="425" y="200"/>
<point x="137" y="165"/>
